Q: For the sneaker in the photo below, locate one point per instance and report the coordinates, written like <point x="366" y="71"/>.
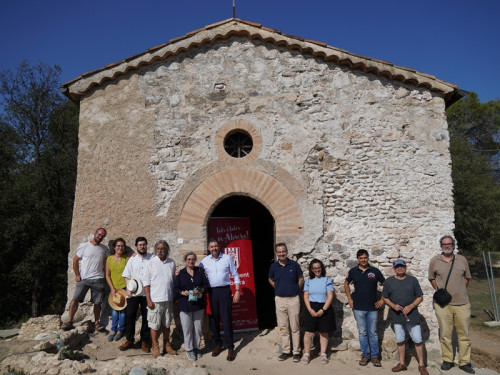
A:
<point x="191" y="355"/>
<point x="111" y="336"/>
<point x="118" y="336"/>
<point x="305" y="359"/>
<point x="467" y="368"/>
<point x="324" y="358"/>
<point x="284" y="356"/>
<point x="296" y="358"/>
<point x="446" y="365"/>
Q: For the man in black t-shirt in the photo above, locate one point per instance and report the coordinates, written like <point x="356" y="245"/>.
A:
<point x="365" y="304"/>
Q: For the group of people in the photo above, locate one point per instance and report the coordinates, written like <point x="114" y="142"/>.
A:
<point x="402" y="293"/>
<point x="153" y="283"/>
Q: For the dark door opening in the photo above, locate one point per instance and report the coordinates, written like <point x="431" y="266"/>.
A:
<point x="262" y="229"/>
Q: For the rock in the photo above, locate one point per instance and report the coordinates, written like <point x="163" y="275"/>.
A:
<point x="138" y="371"/>
<point x="389" y="345"/>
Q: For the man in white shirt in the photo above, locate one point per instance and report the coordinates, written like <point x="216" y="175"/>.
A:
<point x="218" y="266"/>
<point x="158" y="280"/>
<point x="88" y="264"/>
<point x="133" y="273"/>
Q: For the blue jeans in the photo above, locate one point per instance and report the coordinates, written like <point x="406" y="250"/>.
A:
<point x="367" y="328"/>
<point x="118" y="320"/>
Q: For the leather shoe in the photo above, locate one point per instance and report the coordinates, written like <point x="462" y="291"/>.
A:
<point x="230" y="355"/>
<point x="446" y="365"/>
<point x="423" y="370"/>
<point x="399" y="368"/>
<point x="145" y="347"/>
<point x="467" y="368"/>
<point x="216" y="351"/>
<point x="126" y="345"/>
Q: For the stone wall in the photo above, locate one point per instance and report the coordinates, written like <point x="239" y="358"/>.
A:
<point x="364" y="159"/>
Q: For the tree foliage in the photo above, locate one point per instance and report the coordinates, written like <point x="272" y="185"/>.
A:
<point x="475" y="149"/>
<point x="38" y="151"/>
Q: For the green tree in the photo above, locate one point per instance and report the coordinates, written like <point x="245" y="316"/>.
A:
<point x="40" y="151"/>
<point x="474" y="146"/>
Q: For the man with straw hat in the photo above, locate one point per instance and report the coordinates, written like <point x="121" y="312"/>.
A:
<point x="136" y="297"/>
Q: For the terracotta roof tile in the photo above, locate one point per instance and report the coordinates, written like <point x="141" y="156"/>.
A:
<point x="254" y="31"/>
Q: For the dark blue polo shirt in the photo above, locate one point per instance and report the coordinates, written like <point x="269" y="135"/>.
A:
<point x="365" y="287"/>
<point x="286" y="278"/>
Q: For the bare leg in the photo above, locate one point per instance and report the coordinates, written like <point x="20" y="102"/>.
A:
<point x="73" y="308"/>
<point x="323" y="341"/>
<point x="308" y="336"/>
<point x="401" y="352"/>
<point x="420" y="353"/>
<point x="97" y="313"/>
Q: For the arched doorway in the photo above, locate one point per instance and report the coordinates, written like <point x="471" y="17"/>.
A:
<point x="262" y="229"/>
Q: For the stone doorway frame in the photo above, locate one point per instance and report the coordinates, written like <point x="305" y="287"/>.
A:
<point x="267" y="190"/>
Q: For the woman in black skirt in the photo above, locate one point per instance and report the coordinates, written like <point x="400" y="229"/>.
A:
<point x="318" y="298"/>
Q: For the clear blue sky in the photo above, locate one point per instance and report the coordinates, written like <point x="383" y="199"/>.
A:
<point x="455" y="40"/>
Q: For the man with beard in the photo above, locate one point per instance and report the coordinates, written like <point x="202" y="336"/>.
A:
<point x="458" y="311"/>
<point x="286" y="277"/>
<point x="158" y="281"/>
<point x="89" y="264"/>
<point x="218" y="267"/>
<point x="136" y="297"/>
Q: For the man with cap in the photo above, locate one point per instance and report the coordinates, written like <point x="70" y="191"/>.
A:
<point x="136" y="297"/>
<point x="402" y="293"/>
<point x="458" y="312"/>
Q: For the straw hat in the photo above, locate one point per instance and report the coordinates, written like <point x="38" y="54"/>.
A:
<point x="119" y="300"/>
<point x="134" y="286"/>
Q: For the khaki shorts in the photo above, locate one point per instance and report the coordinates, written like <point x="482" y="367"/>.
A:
<point x="161" y="315"/>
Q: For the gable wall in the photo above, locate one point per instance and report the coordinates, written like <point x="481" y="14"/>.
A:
<point x="367" y="158"/>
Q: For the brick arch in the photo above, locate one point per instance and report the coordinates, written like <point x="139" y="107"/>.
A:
<point x="242" y="181"/>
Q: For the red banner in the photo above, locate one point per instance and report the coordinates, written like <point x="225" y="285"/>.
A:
<point x="233" y="235"/>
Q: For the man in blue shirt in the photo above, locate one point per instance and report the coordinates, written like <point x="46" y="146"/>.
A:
<point x="286" y="277"/>
<point x="365" y="304"/>
<point x="218" y="266"/>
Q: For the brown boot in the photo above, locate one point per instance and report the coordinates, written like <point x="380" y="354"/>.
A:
<point x="155" y="350"/>
<point x="167" y="348"/>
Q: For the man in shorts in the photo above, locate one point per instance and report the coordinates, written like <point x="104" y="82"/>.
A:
<point x="158" y="280"/>
<point x="88" y="264"/>
<point x="402" y="293"/>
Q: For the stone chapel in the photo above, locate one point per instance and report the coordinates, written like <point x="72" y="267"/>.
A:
<point x="321" y="148"/>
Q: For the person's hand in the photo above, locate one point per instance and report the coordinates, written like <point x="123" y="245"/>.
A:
<point x="185" y="293"/>
<point x="407" y="309"/>
<point x="78" y="278"/>
<point x="379" y="303"/>
<point x="129" y="293"/>
<point x="351" y="303"/>
<point x="320" y="313"/>
<point x="236" y="297"/>
<point x="151" y="305"/>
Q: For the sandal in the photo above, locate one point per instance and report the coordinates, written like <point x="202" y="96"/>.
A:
<point x="100" y="328"/>
<point x="364" y="361"/>
<point x="376" y="362"/>
<point x="305" y="359"/>
<point x="67" y="326"/>
<point x="324" y="358"/>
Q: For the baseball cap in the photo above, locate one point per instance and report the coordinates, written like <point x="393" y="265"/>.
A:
<point x="399" y="262"/>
